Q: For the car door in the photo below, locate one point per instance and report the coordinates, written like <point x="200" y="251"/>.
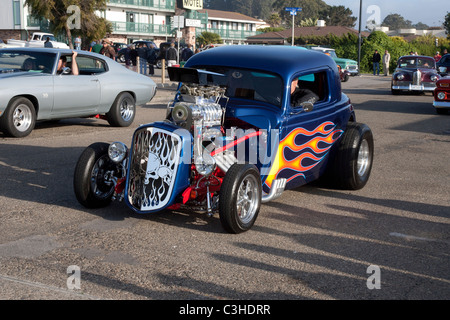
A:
<point x="77" y="95"/>
<point x="308" y="134"/>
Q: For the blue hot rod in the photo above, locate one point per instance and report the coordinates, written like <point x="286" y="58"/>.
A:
<point x="246" y="123"/>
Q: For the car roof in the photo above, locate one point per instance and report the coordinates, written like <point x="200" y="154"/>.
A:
<point x="282" y="60"/>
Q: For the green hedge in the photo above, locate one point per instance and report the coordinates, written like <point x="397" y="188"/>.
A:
<point x="346" y="46"/>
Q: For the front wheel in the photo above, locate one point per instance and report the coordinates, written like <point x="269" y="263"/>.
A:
<point x="93" y="177"/>
<point x="19" y="118"/>
<point x="240" y="198"/>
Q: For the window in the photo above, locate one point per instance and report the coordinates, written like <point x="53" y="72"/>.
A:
<point x="310" y="87"/>
<point x="88" y="65"/>
<point x="16" y="13"/>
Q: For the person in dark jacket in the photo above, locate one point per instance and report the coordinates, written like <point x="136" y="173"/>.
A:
<point x="376" y="62"/>
<point x="108" y="50"/>
<point x="187" y="53"/>
<point x="142" y="52"/>
<point x="151" y="59"/>
<point x="171" y="55"/>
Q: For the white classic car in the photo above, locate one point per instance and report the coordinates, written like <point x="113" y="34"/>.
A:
<point x="38" y="84"/>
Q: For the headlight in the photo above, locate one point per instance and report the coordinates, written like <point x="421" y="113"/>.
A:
<point x="441" y="95"/>
<point x="117" y="152"/>
<point x="434" y="78"/>
<point x="205" y="165"/>
<point x="400" y="77"/>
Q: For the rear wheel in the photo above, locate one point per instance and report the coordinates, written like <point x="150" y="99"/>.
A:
<point x="352" y="163"/>
<point x="240" y="198"/>
<point x="19" y="118"/>
<point x="122" y="111"/>
<point x="93" y="183"/>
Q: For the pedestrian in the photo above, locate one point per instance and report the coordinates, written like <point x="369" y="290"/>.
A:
<point x="97" y="47"/>
<point x="187" y="53"/>
<point x="171" y="55"/>
<point x="142" y="54"/>
<point x="376" y="58"/>
<point x="78" y="43"/>
<point x="133" y="56"/>
<point x="108" y="50"/>
<point x="386" y="60"/>
<point x="437" y="56"/>
<point x="151" y="59"/>
<point x="47" y="43"/>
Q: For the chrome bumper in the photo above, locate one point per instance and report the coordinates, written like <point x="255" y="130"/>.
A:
<point x="441" y="104"/>
<point x="412" y="87"/>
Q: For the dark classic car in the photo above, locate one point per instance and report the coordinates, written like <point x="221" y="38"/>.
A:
<point x="442" y="96"/>
<point x="443" y="65"/>
<point x="246" y="123"/>
<point x="414" y="74"/>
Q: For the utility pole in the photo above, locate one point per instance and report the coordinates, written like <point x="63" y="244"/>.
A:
<point x="359" y="37"/>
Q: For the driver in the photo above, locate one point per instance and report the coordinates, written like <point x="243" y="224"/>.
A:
<point x="300" y="95"/>
<point x="63" y="61"/>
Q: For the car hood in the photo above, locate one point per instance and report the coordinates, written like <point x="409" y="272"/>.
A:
<point x="423" y="70"/>
<point x="343" y="60"/>
<point x="20" y="74"/>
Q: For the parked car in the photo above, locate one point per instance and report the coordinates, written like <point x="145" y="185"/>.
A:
<point x="346" y="64"/>
<point x="37" y="41"/>
<point x="442" y="96"/>
<point x="443" y="65"/>
<point x="121" y="52"/>
<point x="414" y="74"/>
<point x="32" y="89"/>
<point x="233" y="139"/>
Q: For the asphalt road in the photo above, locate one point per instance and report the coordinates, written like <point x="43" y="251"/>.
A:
<point x="311" y="243"/>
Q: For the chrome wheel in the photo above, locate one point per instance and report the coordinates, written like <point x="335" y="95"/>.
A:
<point x="363" y="160"/>
<point x="127" y="109"/>
<point x="247" y="199"/>
<point x="22" y="117"/>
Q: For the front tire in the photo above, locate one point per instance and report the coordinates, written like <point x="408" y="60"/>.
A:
<point x="92" y="177"/>
<point x="240" y="198"/>
<point x="122" y="111"/>
<point x="19" y="118"/>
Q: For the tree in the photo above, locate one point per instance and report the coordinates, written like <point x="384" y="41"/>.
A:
<point x="310" y="9"/>
<point x="209" y="38"/>
<point x="447" y="24"/>
<point x="339" y="16"/>
<point x="57" y="13"/>
<point x="274" y="20"/>
<point x="395" y="21"/>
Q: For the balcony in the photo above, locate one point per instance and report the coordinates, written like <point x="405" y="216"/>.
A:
<point x="140" y="28"/>
<point x="163" y="5"/>
<point x="228" y="34"/>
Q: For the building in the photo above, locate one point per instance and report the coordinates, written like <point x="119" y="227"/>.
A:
<point x="16" y="22"/>
<point x="140" y="20"/>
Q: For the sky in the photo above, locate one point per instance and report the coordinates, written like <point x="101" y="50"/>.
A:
<point x="430" y="12"/>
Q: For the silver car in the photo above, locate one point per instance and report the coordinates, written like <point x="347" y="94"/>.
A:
<point x="42" y="84"/>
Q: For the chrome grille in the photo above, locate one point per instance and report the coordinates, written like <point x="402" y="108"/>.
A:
<point x="417" y="77"/>
<point x="153" y="167"/>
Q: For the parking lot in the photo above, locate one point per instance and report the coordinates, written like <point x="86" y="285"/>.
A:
<point x="389" y="240"/>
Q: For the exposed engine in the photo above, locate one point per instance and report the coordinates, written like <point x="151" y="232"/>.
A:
<point x="199" y="112"/>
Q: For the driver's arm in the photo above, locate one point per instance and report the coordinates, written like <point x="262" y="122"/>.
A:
<point x="75" y="71"/>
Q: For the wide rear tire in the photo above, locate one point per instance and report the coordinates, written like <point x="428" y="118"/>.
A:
<point x="19" y="118"/>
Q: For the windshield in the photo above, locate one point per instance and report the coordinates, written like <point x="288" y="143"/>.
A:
<point x="249" y="84"/>
<point x="16" y="61"/>
<point x="416" y="62"/>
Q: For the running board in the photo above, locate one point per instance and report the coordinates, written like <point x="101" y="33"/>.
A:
<point x="276" y="190"/>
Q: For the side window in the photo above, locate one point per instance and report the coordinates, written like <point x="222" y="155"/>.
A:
<point x="90" y="66"/>
<point x="311" y="87"/>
